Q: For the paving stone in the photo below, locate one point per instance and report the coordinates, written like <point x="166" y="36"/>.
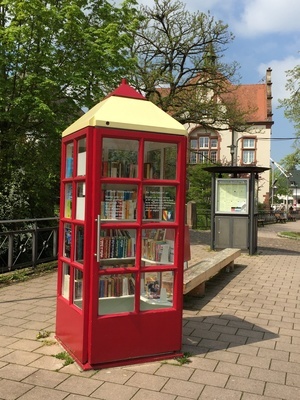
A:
<point x="16" y="372"/>
<point x="177" y="387"/>
<point x="10" y="390"/>
<point x="115" y="375"/>
<point x="213" y="393"/>
<point x="45" y="378"/>
<point x="233" y="369"/>
<point x="174" y="371"/>
<point x="266" y="375"/>
<point x="253" y="361"/>
<point x="79" y="385"/>
<point x="20" y="357"/>
<point x="210" y="378"/>
<point x="144" y="394"/>
<point x="245" y="385"/>
<point x="38" y="393"/>
<point x="282" y="392"/>
<point x="24" y="344"/>
<point x="147" y="381"/>
<point x="47" y="362"/>
<point x="113" y="391"/>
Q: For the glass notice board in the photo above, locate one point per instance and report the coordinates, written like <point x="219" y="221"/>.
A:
<point x="232" y="196"/>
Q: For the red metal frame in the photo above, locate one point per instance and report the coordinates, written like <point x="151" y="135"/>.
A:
<point x="100" y="341"/>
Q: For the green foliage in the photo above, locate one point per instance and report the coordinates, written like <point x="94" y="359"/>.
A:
<point x="66" y="357"/>
<point x="184" y="359"/>
<point x="56" y="58"/>
<point x="292" y="104"/>
<point x="291" y="235"/>
<point x="199" y="186"/>
<point x="43" y="334"/>
<point x="26" y="273"/>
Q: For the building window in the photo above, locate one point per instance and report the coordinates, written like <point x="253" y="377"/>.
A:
<point x="204" y="149"/>
<point x="249" y="151"/>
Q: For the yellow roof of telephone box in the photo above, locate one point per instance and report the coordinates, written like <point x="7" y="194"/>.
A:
<point x="125" y="108"/>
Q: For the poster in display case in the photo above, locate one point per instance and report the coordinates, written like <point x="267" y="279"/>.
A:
<point x="232" y="196"/>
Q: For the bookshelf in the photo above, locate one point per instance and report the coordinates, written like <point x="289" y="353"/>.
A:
<point x="121" y="253"/>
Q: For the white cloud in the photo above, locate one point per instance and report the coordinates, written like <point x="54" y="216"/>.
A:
<point x="265" y="16"/>
<point x="279" y="78"/>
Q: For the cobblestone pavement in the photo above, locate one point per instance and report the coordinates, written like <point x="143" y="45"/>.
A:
<point x="243" y="337"/>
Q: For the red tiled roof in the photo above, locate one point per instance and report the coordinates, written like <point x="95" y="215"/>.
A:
<point x="251" y="99"/>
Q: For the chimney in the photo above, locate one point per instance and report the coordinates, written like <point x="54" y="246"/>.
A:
<point x="269" y="94"/>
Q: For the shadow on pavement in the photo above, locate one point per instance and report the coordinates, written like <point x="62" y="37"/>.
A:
<point x="220" y="332"/>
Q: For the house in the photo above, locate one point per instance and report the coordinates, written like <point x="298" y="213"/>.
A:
<point x="252" y="146"/>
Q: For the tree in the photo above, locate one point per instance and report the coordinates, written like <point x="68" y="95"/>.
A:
<point x="57" y="57"/>
<point x="180" y="65"/>
<point x="291" y="107"/>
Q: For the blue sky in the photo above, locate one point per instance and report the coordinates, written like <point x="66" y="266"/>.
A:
<point x="267" y="34"/>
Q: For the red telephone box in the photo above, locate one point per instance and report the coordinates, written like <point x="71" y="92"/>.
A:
<point x="121" y="253"/>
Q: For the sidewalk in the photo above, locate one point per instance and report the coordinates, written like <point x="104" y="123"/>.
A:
<point x="244" y="337"/>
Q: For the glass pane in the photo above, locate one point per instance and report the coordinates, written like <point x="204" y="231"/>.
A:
<point x="248" y="143"/>
<point x="117" y="244"/>
<point x="193" y="157"/>
<point x="193" y="143"/>
<point x="159" y="203"/>
<point x="203" y="157"/>
<point x="80" y="201"/>
<point x="81" y="157"/>
<point x="203" y="141"/>
<point x="248" y="156"/>
<point x="213" y="156"/>
<point x="78" y="287"/>
<point x="156" y="290"/>
<point x="118" y="202"/>
<point x="213" y="143"/>
<point x="69" y="160"/>
<point x="232" y="196"/>
<point x="120" y="158"/>
<point x="160" y="160"/>
<point x="116" y="293"/>
<point x="79" y="250"/>
<point x="158" y="246"/>
<point x="68" y="240"/>
<point x="68" y="200"/>
<point x="65" y="290"/>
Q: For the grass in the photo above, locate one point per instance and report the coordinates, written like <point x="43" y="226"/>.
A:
<point x="291" y="235"/>
<point x="184" y="359"/>
<point x="25" y="274"/>
<point x="64" y="356"/>
<point x="43" y="335"/>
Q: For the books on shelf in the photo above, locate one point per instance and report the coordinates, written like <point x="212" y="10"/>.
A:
<point x="119" y="169"/>
<point x="116" y="286"/>
<point x="116" y="243"/>
<point x="148" y="170"/>
<point x="157" y="246"/>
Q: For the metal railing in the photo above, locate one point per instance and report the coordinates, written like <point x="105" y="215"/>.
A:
<point x="27" y="242"/>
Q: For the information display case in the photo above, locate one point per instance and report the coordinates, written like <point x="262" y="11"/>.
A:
<point x="232" y="196"/>
<point x="122" y="223"/>
<point x="234" y="212"/>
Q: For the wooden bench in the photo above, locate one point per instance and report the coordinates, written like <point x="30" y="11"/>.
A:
<point x="195" y="277"/>
<point x="280" y="218"/>
<point x="291" y="217"/>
